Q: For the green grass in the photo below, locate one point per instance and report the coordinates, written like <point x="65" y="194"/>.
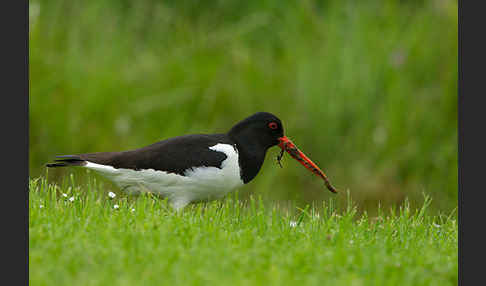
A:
<point x="367" y="89"/>
<point x="230" y="242"/>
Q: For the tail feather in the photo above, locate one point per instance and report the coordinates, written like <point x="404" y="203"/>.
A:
<point x="67" y="160"/>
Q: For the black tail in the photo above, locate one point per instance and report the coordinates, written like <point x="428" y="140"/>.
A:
<point x="67" y="160"/>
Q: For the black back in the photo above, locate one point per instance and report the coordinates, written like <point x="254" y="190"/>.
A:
<point x="173" y="155"/>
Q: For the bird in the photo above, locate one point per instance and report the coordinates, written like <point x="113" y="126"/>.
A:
<point x="196" y="167"/>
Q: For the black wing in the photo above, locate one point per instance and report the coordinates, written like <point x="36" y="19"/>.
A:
<point x="173" y="155"/>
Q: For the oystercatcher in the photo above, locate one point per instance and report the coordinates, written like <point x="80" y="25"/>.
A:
<point x="197" y="167"/>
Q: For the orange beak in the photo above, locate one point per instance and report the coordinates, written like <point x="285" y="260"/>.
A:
<point x="290" y="147"/>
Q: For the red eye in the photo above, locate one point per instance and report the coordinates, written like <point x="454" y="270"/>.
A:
<point x="272" y="125"/>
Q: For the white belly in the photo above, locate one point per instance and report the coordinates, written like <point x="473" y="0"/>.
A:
<point x="198" y="184"/>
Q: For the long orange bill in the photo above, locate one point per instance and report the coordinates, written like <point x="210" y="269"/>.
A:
<point x="290" y="147"/>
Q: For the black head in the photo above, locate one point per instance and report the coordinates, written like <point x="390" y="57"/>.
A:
<point x="255" y="134"/>
<point x="262" y="128"/>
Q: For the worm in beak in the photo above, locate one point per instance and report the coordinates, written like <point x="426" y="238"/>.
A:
<point x="288" y="146"/>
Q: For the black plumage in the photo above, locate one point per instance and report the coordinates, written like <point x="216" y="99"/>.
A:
<point x="250" y="137"/>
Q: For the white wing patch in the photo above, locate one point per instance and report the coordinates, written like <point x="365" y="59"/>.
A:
<point x="198" y="184"/>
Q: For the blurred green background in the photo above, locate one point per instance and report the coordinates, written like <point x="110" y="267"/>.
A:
<point x="367" y="89"/>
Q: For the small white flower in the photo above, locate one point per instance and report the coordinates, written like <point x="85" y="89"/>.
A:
<point x="436" y="225"/>
<point x="132" y="210"/>
<point x="116" y="207"/>
<point x="293" y="224"/>
<point x="351" y="242"/>
<point x="64" y="195"/>
<point x="41" y="206"/>
<point x="71" y="199"/>
<point x="111" y="195"/>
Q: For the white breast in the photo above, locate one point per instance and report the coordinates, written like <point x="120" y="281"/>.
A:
<point x="198" y="184"/>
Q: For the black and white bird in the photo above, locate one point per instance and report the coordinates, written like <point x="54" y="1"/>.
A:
<point x="197" y="167"/>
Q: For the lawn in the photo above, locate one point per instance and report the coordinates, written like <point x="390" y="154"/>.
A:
<point x="79" y="235"/>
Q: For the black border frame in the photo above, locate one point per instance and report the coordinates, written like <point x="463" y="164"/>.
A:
<point x="471" y="63"/>
<point x="14" y="23"/>
<point x="15" y="85"/>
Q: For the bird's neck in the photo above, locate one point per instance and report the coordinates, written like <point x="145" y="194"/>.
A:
<point x="251" y="156"/>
